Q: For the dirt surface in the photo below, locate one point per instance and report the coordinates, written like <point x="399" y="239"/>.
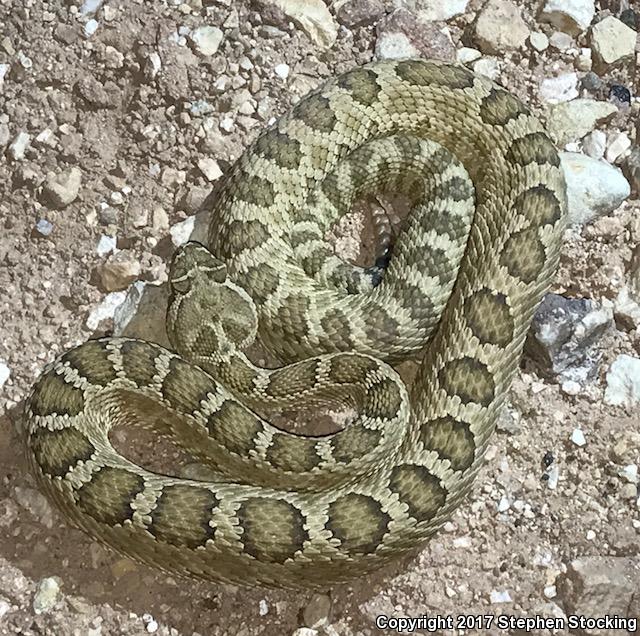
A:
<point x="137" y="108"/>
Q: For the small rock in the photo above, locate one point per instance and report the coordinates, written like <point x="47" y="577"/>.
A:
<point x="584" y="62"/>
<point x="210" y="168"/>
<point x="402" y="34"/>
<point x="44" y="227"/>
<point x="90" y="27"/>
<point x="318" y="611"/>
<point x="500" y="27"/>
<point x="594" y="188"/>
<point x="561" y="41"/>
<point x="206" y="39"/>
<point x="498" y="596"/>
<point x="538" y="40"/>
<point x="626" y="310"/>
<point x="559" y="89"/>
<point x="312" y="16"/>
<point x="487" y="66"/>
<point x="119" y="272"/>
<point x="106" y="244"/>
<point x="466" y="55"/>
<point x="594" y="144"/>
<point x="356" y="13"/>
<point x="282" y="70"/>
<point x="36" y="503"/>
<point x="112" y="57"/>
<point x="172" y="178"/>
<point x="631" y="168"/>
<point x="577" y="437"/>
<point x="570" y="121"/>
<point x="46" y="596"/>
<point x="442" y="10"/>
<point x="594" y="583"/>
<point x="105" y="310"/>
<point x="570" y="16"/>
<point x="623" y="382"/>
<point x="181" y="232"/>
<point x="617" y="145"/>
<point x="62" y="189"/>
<point x="612" y="41"/>
<point x="5" y="372"/>
<point x="19" y="145"/>
<point x="619" y="95"/>
<point x="629" y="473"/>
<point x="564" y="337"/>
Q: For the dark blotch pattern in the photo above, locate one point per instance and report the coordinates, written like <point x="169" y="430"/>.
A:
<point x="238" y="376"/>
<point x="261" y="282"/>
<point x="489" y="317"/>
<point x="247" y="235"/>
<point x="419" y="489"/>
<point x="273" y="529"/>
<point x="292" y="379"/>
<point x="459" y="189"/>
<point x="91" y="362"/>
<point x="451" y="439"/>
<point x="423" y="73"/>
<point x="355" y="441"/>
<point x="362" y="85"/>
<point x="57" y="452"/>
<point x="234" y="427"/>
<point x="315" y="111"/>
<point x="359" y="522"/>
<point x="182" y="515"/>
<point x="108" y="496"/>
<point x="53" y="396"/>
<point x="523" y="255"/>
<point x="337" y="327"/>
<point x="138" y="361"/>
<point x="469" y="379"/>
<point x="498" y="108"/>
<point x="293" y="316"/>
<point x="280" y="148"/>
<point x="535" y="147"/>
<point x="381" y="325"/>
<point x="383" y="399"/>
<point x="255" y="190"/>
<point x="186" y="386"/>
<point x="293" y="454"/>
<point x="540" y="205"/>
<point x="350" y="368"/>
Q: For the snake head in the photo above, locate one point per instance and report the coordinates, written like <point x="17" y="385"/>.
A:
<point x="219" y="315"/>
<point x="191" y="261"/>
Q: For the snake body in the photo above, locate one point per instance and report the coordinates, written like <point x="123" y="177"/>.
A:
<point x="299" y="511"/>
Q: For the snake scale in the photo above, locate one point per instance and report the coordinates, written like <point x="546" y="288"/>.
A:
<point x="478" y="252"/>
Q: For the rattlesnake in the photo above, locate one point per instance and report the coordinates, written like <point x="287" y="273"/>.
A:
<point x="297" y="511"/>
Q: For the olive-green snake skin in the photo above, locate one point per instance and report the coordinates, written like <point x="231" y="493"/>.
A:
<point x="478" y="252"/>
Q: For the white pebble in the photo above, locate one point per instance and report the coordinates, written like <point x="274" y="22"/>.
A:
<point x="106" y="244"/>
<point x="591" y="535"/>
<point x="500" y="597"/>
<point x="5" y="372"/>
<point x="263" y="607"/>
<point x="282" y="71"/>
<point x="550" y="591"/>
<point x="577" y="437"/>
<point x="90" y="27"/>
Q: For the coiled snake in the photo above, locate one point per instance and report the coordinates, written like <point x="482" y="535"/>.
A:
<point x="298" y="511"/>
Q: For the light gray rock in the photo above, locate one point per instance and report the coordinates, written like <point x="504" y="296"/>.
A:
<point x="312" y="16"/>
<point x="500" y="27"/>
<point x="466" y="55"/>
<point x="562" y="88"/>
<point x="571" y="16"/>
<point x="599" y="586"/>
<point x="19" y="145"/>
<point x="623" y="382"/>
<point x="570" y="121"/>
<point x="118" y="272"/>
<point x="631" y="169"/>
<point x="355" y="13"/>
<point x="565" y="335"/>
<point x="402" y="34"/>
<point x="206" y="39"/>
<point x="612" y="40"/>
<point x="594" y="188"/>
<point x="539" y="41"/>
<point x="63" y="188"/>
<point x="47" y="595"/>
<point x="617" y="145"/>
<point x="441" y="10"/>
<point x="594" y="144"/>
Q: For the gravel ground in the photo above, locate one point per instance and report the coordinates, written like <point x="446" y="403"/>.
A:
<point x="116" y="120"/>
